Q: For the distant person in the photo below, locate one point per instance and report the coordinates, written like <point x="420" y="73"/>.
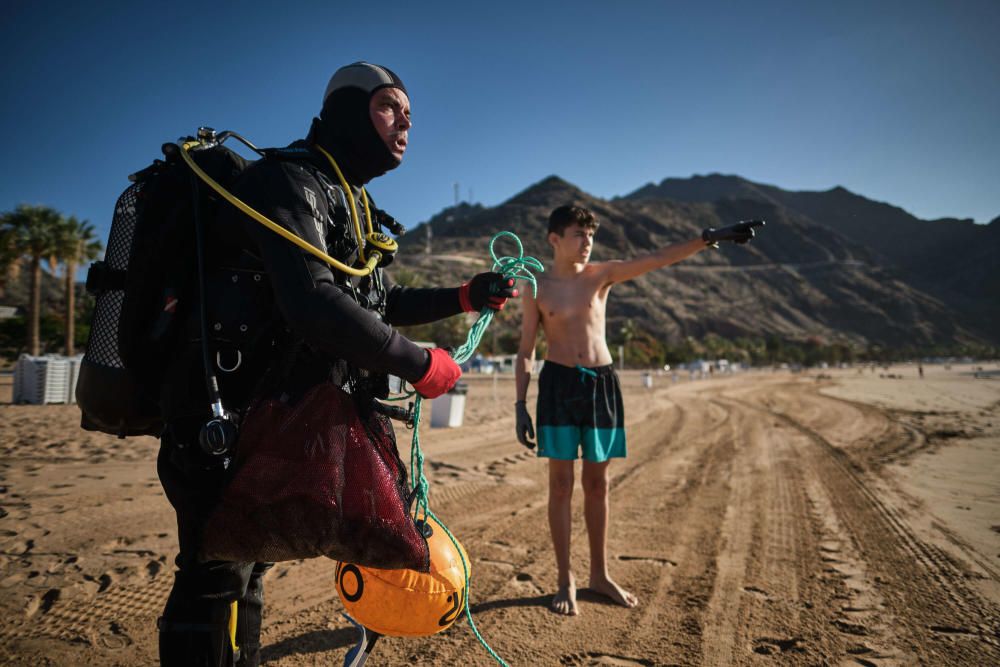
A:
<point x="579" y="399"/>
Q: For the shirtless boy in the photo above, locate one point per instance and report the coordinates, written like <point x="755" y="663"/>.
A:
<point x="579" y="400"/>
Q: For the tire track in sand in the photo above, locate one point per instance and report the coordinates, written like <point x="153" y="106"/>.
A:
<point x="762" y="563"/>
<point x="924" y="589"/>
<point x="685" y="522"/>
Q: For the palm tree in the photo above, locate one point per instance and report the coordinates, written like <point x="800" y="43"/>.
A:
<point x="35" y="230"/>
<point x="76" y="245"/>
<point x="10" y="255"/>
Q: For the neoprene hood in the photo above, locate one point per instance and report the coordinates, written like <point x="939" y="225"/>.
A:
<point x="344" y="126"/>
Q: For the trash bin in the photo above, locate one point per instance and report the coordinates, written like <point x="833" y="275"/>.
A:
<point x="448" y="409"/>
<point x="396" y="384"/>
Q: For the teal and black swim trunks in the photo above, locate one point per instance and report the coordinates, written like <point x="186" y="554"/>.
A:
<point x="579" y="406"/>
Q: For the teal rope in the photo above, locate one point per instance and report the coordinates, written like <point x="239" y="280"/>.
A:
<point x="518" y="267"/>
<point x="512" y="267"/>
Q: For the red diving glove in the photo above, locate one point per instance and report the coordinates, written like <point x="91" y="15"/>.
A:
<point x="441" y="375"/>
<point x="486" y="290"/>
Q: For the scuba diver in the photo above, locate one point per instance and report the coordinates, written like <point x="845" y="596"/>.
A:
<point x="295" y="322"/>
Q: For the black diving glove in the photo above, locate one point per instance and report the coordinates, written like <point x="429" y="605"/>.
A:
<point x="524" y="427"/>
<point x="741" y="233"/>
<point x="486" y="290"/>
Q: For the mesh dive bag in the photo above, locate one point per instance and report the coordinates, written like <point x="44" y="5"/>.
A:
<point x="316" y="479"/>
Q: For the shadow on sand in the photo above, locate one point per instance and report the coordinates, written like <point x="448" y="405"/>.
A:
<point x="331" y="640"/>
<point x="535" y="601"/>
<point x="311" y="642"/>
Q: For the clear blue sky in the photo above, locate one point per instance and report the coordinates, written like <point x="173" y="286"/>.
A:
<point x="897" y="101"/>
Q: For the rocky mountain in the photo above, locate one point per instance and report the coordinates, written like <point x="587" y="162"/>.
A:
<point x="957" y="261"/>
<point x="813" y="271"/>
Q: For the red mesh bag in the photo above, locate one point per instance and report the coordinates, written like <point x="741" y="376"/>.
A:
<point x="315" y="479"/>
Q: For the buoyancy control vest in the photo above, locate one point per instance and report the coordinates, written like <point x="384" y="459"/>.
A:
<point x="153" y="279"/>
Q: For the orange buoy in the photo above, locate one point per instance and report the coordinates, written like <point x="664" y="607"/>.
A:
<point x="407" y="603"/>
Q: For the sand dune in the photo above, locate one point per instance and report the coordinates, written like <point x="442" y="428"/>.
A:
<point x="766" y="518"/>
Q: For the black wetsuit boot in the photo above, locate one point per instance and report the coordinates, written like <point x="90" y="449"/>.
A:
<point x="250" y="610"/>
<point x="194" y="628"/>
<point x="195" y="634"/>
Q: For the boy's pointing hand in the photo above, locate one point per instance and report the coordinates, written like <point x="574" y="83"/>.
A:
<point x="741" y="232"/>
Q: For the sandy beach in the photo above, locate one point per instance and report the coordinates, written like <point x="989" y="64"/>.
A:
<point x="844" y="516"/>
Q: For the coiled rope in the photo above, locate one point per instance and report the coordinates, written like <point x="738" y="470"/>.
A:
<point x="519" y="267"/>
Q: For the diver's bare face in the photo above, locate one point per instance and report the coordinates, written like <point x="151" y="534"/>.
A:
<point x="389" y="109"/>
<point x="574" y="244"/>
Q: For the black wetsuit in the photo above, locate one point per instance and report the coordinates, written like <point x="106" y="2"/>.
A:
<point x="295" y="297"/>
<point x="286" y="322"/>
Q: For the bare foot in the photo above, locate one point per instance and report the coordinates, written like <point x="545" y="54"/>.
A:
<point x="564" y="601"/>
<point x="605" y="586"/>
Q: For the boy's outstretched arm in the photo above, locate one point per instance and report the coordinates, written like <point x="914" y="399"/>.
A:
<point x="618" y="271"/>
<point x="522" y="369"/>
<point x="621" y="270"/>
